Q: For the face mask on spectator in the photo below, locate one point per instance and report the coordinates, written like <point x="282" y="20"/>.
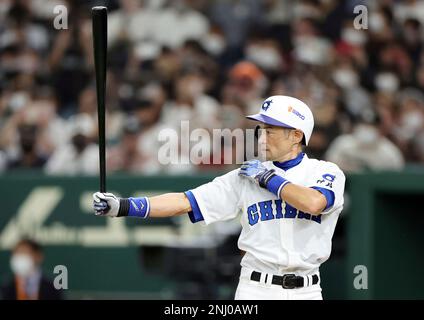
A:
<point x="366" y="134"/>
<point x="22" y="264"/>
<point x="353" y="36"/>
<point x="214" y="44"/>
<point x="17" y="101"/>
<point x="376" y="22"/>
<point x="345" y="78"/>
<point x="412" y="121"/>
<point x="267" y="58"/>
<point x="311" y="50"/>
<point x="386" y="82"/>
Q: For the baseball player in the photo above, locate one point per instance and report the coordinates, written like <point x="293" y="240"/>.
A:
<point x="288" y="206"/>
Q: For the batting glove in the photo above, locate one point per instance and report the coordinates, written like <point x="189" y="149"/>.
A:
<point x="265" y="178"/>
<point x="105" y="204"/>
<point x="254" y="170"/>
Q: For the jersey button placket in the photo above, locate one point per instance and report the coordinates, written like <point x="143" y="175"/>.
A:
<point x="286" y="239"/>
<point x="284" y="255"/>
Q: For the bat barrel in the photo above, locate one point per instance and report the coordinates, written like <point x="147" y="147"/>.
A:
<point x="99" y="18"/>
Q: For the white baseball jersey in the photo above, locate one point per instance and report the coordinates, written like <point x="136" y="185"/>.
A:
<point x="276" y="237"/>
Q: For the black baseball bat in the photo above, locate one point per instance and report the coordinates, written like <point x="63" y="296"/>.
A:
<point x="99" y="18"/>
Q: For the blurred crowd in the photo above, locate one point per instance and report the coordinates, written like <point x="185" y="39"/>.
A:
<point x="209" y="62"/>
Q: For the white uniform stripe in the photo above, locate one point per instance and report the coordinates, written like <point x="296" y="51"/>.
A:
<point x="148" y="208"/>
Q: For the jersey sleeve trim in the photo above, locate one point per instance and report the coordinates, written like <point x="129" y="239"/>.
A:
<point x="328" y="194"/>
<point x="195" y="215"/>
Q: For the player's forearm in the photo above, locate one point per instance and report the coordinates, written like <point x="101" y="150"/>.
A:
<point x="165" y="205"/>
<point x="168" y="205"/>
<point x="303" y="198"/>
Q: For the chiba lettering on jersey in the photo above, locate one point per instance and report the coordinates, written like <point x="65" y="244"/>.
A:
<point x="276" y="209"/>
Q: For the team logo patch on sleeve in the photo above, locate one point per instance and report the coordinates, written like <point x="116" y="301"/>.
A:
<point x="327" y="180"/>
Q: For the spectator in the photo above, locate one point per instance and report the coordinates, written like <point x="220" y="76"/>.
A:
<point x="70" y="61"/>
<point x="215" y="62"/>
<point x="22" y="30"/>
<point x="409" y="9"/>
<point x="192" y="103"/>
<point x="410" y="120"/>
<point x="365" y="149"/>
<point x="236" y="19"/>
<point x="309" y="46"/>
<point x="126" y="155"/>
<point x="78" y="156"/>
<point x="29" y="156"/>
<point x="134" y="23"/>
<point x="29" y="283"/>
<point x="245" y="87"/>
<point x="178" y="23"/>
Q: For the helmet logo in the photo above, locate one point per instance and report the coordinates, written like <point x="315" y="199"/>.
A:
<point x="297" y="113"/>
<point x="266" y="105"/>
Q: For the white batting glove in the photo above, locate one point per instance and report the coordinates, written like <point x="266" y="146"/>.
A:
<point x="253" y="170"/>
<point x="265" y="178"/>
<point x="105" y="204"/>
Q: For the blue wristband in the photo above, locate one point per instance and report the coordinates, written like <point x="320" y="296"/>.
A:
<point x="139" y="207"/>
<point x="276" y="184"/>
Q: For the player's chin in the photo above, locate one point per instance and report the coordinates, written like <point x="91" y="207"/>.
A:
<point x="265" y="155"/>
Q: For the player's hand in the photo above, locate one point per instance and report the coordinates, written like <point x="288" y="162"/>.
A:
<point x="265" y="178"/>
<point x="105" y="204"/>
<point x="253" y="169"/>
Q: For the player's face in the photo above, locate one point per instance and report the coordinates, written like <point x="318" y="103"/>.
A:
<point x="276" y="142"/>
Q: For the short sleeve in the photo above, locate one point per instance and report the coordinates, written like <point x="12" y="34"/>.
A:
<point x="330" y="181"/>
<point x="217" y="200"/>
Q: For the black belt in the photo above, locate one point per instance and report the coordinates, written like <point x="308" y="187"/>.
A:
<point x="288" y="281"/>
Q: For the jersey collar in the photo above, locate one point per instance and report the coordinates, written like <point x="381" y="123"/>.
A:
<point x="290" y="163"/>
